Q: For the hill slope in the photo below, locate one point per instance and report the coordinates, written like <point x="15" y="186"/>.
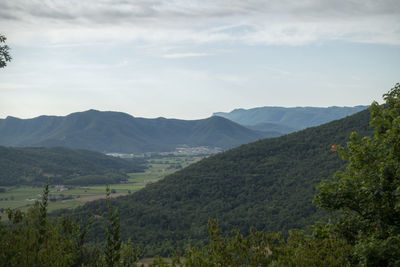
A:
<point x="120" y="132"/>
<point x="288" y="118"/>
<point x="63" y="166"/>
<point x="269" y="184"/>
<point x="279" y="129"/>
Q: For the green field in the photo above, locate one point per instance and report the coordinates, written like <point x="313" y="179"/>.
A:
<point x="22" y="197"/>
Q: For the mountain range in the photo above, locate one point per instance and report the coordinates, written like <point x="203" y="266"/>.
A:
<point x="122" y="133"/>
<point x="116" y="132"/>
<point x="268" y="184"/>
<point x="286" y="120"/>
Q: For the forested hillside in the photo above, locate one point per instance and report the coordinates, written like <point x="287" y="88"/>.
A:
<point x="279" y="129"/>
<point x="34" y="166"/>
<point x="120" y="132"/>
<point x="269" y="184"/>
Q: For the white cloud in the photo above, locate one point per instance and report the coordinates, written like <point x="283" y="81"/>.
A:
<point x="184" y="55"/>
<point x="201" y="21"/>
<point x="278" y="71"/>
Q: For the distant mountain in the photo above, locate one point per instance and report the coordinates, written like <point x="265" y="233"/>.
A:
<point x="269" y="184"/>
<point x="120" y="132"/>
<point x="277" y="128"/>
<point x="286" y="120"/>
<point x="34" y="166"/>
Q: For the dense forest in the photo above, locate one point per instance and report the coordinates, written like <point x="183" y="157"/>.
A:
<point x="34" y="166"/>
<point x="280" y="129"/>
<point x="268" y="184"/>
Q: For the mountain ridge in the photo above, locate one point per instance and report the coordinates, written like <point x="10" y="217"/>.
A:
<point x="108" y="131"/>
<point x="297" y="118"/>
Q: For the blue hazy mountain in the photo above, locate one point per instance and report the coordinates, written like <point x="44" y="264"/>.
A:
<point x="286" y="120"/>
<point x="272" y="127"/>
<point x="123" y="133"/>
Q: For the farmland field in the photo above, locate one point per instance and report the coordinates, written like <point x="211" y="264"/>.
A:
<point x="22" y="197"/>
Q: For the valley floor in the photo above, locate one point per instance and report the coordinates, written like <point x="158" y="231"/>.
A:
<point x="61" y="197"/>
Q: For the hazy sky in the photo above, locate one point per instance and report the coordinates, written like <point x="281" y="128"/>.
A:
<point x="189" y="58"/>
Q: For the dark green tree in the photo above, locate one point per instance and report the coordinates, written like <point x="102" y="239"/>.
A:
<point x="366" y="196"/>
<point x="43" y="214"/>
<point x="118" y="253"/>
<point x="4" y="52"/>
<point x="113" y="244"/>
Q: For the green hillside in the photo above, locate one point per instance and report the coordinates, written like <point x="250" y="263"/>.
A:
<point x="279" y="129"/>
<point x="269" y="184"/>
<point x="122" y="133"/>
<point x="34" y="166"/>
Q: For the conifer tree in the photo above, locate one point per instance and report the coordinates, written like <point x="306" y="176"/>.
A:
<point x="113" y="242"/>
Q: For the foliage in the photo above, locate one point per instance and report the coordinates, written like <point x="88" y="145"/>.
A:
<point x="269" y="249"/>
<point x="113" y="244"/>
<point x="32" y="239"/>
<point x="130" y="253"/>
<point x="236" y="250"/>
<point x="4" y="52"/>
<point x="366" y="196"/>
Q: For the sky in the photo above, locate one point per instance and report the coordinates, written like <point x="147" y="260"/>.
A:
<point x="186" y="59"/>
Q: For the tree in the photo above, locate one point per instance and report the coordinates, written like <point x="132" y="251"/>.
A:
<point x="113" y="243"/>
<point x="365" y="197"/>
<point x="117" y="253"/>
<point x="4" y="52"/>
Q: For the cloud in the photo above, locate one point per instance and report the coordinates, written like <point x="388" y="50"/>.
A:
<point x="184" y="55"/>
<point x="202" y="21"/>
<point x="278" y="71"/>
